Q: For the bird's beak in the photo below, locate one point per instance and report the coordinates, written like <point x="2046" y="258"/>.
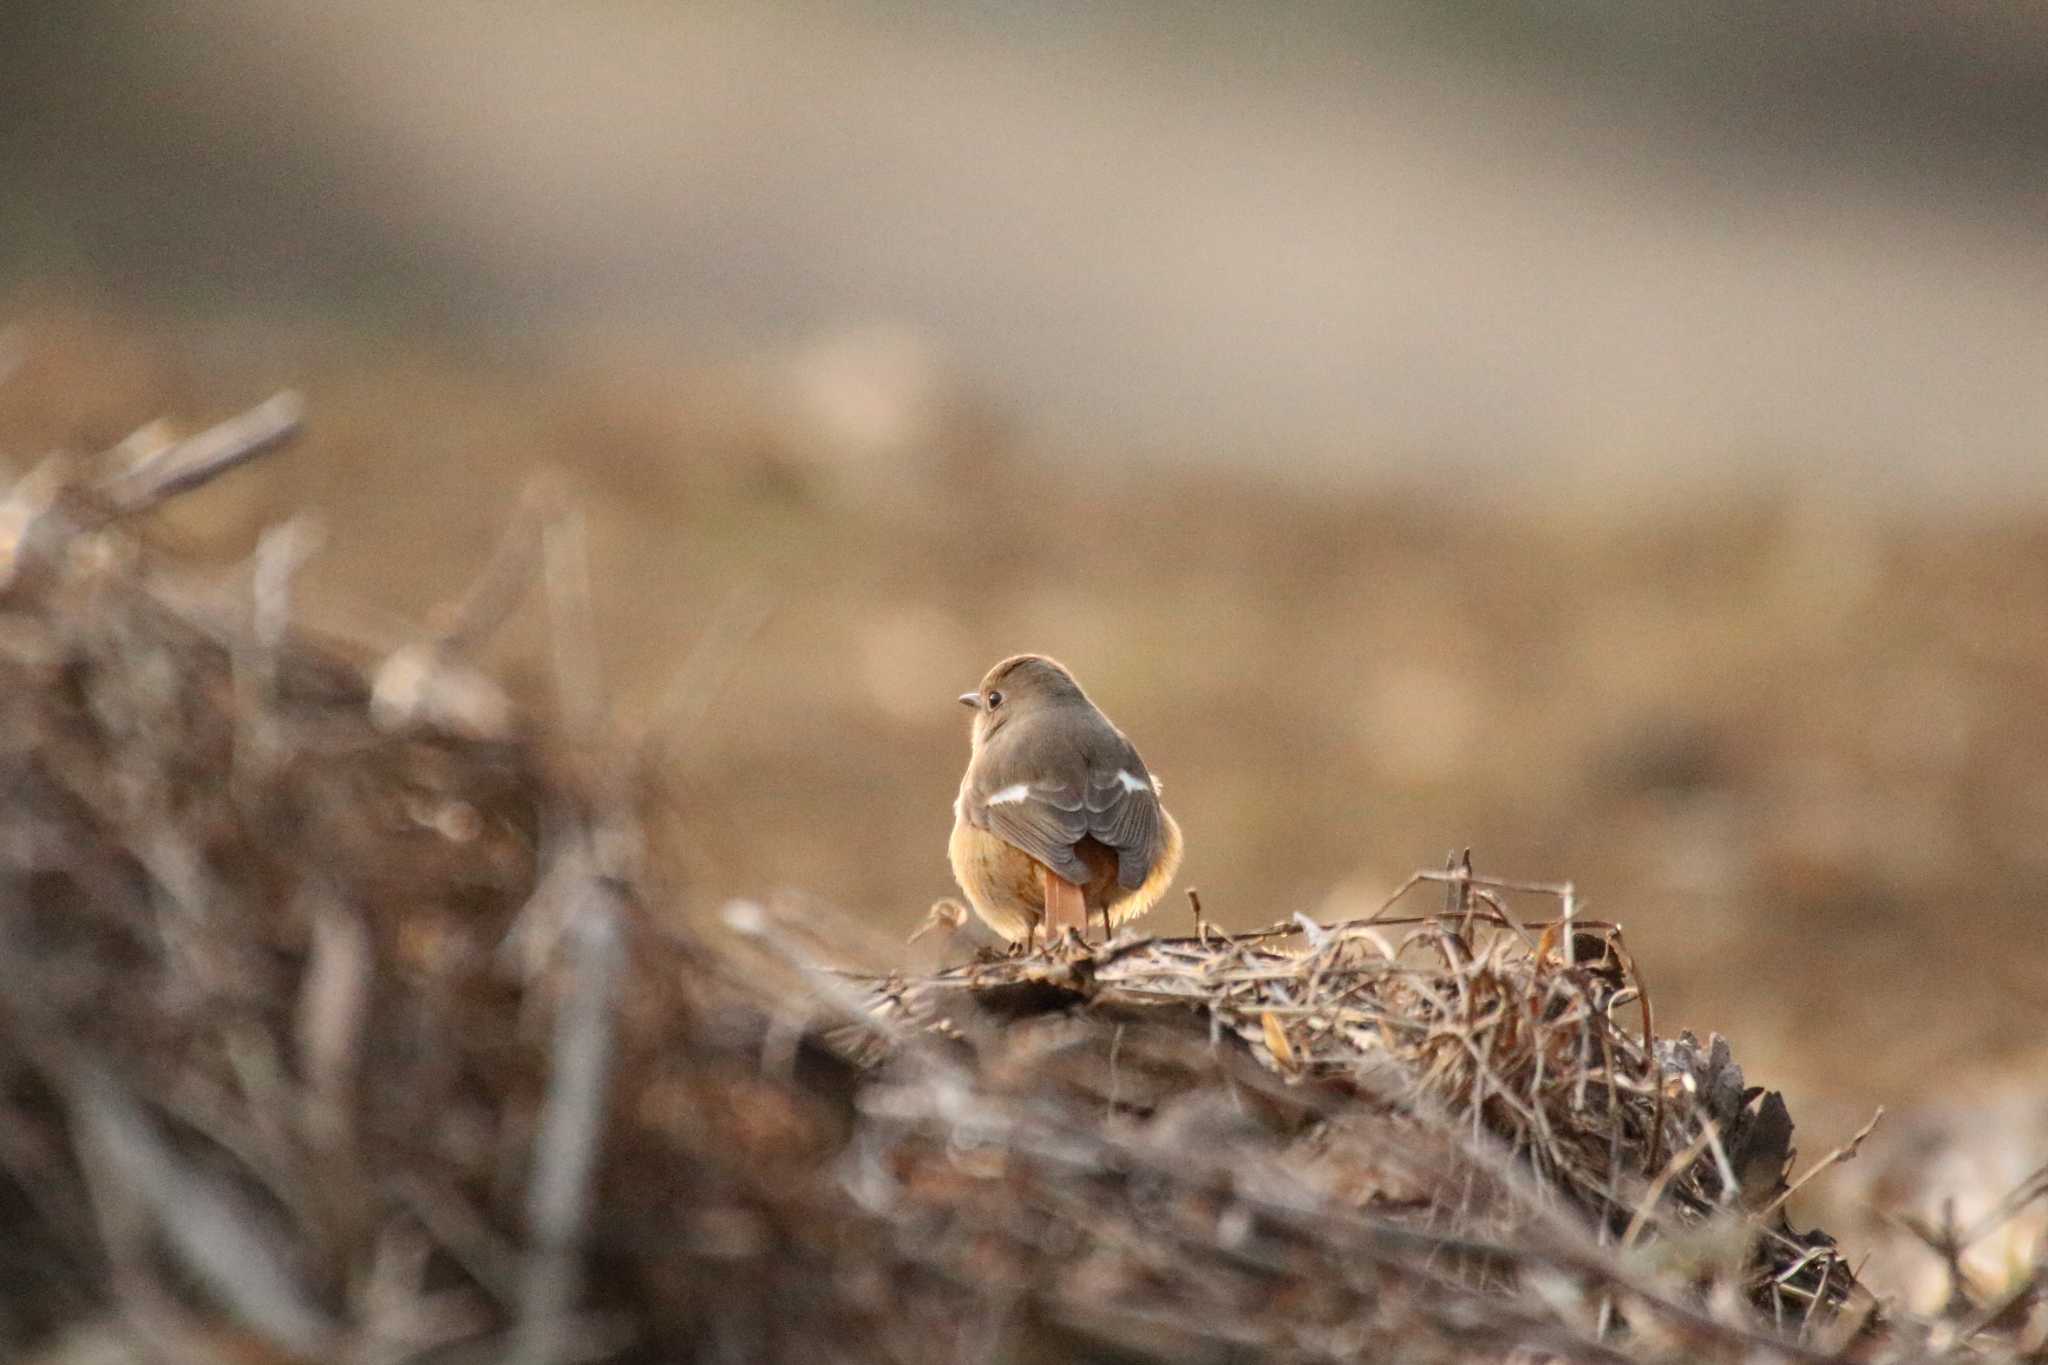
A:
<point x="971" y="700"/>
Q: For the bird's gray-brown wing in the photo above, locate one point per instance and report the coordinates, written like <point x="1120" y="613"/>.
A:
<point x="1123" y="811"/>
<point x="1046" y="786"/>
<point x="1030" y="799"/>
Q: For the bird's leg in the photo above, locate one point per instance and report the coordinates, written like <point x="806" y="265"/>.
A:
<point x="1065" y="908"/>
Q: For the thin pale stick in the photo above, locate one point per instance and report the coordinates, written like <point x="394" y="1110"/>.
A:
<point x="201" y="459"/>
<point x="1846" y="1152"/>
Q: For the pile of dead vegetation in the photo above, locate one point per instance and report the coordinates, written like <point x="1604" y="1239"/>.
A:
<point x="344" y="1015"/>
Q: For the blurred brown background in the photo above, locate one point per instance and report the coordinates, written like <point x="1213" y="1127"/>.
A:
<point x="1609" y="437"/>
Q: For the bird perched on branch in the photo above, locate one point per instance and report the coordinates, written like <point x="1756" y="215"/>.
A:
<point x="1058" y="823"/>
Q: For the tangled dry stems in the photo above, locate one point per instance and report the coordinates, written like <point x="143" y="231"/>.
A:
<point x="1540" y="1112"/>
<point x="343" y="1016"/>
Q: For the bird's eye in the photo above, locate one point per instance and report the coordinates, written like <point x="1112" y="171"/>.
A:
<point x="995" y="699"/>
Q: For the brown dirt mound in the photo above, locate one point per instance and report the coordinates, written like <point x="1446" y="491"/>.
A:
<point x="341" y="1018"/>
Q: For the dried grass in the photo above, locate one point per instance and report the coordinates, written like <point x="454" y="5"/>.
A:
<point x="343" y="1015"/>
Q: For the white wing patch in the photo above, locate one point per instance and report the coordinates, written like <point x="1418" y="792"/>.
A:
<point x="1010" y="795"/>
<point x="1130" y="783"/>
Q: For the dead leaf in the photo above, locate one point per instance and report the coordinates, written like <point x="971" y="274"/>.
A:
<point x="1277" y="1044"/>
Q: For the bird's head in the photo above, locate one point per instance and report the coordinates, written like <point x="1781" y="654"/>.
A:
<point x="1019" y="685"/>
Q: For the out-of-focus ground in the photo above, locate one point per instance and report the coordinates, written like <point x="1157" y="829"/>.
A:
<point x="1630" y="467"/>
<point x="1577" y="242"/>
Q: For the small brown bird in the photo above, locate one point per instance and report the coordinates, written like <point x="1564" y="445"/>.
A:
<point x="1058" y="822"/>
